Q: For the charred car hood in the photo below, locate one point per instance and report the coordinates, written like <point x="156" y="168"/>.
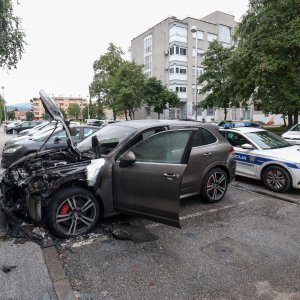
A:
<point x="54" y="112"/>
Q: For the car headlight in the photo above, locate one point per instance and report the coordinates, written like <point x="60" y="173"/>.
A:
<point x="12" y="149"/>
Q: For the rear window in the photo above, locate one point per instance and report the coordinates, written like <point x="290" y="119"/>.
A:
<point x="203" y="137"/>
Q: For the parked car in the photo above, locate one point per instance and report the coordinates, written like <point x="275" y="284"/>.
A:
<point x="263" y="155"/>
<point x="16" y="128"/>
<point x="6" y="123"/>
<point x="34" y="129"/>
<point x="95" y="122"/>
<point x="231" y="124"/>
<point x="293" y="135"/>
<point x="22" y="146"/>
<point x="10" y="125"/>
<point x="140" y="167"/>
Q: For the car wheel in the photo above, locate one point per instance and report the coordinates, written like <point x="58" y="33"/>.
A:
<point x="277" y="179"/>
<point x="214" y="186"/>
<point x="72" y="211"/>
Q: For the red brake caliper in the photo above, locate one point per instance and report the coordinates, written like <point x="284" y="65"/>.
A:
<point x="64" y="210"/>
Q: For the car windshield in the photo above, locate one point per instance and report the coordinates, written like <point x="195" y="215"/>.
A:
<point x="295" y="128"/>
<point x="109" y="137"/>
<point x="268" y="140"/>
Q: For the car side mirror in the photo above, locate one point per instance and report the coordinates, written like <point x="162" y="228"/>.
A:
<point x="247" y="146"/>
<point x="57" y="140"/>
<point x="127" y="159"/>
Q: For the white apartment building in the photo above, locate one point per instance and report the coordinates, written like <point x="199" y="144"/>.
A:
<point x="168" y="51"/>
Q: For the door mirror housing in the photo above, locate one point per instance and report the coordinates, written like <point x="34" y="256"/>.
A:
<point x="127" y="159"/>
<point x="247" y="146"/>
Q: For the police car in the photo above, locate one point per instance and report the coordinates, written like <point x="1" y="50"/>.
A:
<point x="263" y="155"/>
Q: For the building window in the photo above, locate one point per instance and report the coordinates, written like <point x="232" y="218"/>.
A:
<point x="200" y="35"/>
<point x="177" y="50"/>
<point x="211" y="37"/>
<point x="199" y="71"/>
<point x="199" y="87"/>
<point x="199" y="51"/>
<point x="180" y="89"/>
<point x="210" y="111"/>
<point x="171" y="70"/>
<point x="148" y="54"/>
<point x="224" y="34"/>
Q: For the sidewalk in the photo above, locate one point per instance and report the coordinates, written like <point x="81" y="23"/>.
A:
<point x="28" y="271"/>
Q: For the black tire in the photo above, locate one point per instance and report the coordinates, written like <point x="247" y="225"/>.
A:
<point x="72" y="212"/>
<point x="214" y="185"/>
<point x="277" y="179"/>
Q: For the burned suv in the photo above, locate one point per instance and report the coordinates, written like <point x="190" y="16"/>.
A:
<point x="137" y="167"/>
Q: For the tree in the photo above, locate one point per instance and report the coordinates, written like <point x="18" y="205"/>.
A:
<point x="29" y="115"/>
<point x="63" y="112"/>
<point x="266" y="63"/>
<point x="158" y="96"/>
<point x="106" y="66"/>
<point x="10" y="114"/>
<point x="217" y="78"/>
<point x="12" y="38"/>
<point x="127" y="88"/>
<point x="74" y="110"/>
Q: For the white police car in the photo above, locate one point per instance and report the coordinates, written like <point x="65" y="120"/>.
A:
<point x="263" y="155"/>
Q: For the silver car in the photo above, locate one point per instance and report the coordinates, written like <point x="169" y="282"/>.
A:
<point x="140" y="167"/>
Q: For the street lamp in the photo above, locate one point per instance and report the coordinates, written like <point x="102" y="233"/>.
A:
<point x="88" y="106"/>
<point x="194" y="30"/>
<point x="4" y="104"/>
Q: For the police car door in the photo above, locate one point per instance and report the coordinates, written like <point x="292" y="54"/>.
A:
<point x="245" y="158"/>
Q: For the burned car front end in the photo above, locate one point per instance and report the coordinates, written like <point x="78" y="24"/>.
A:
<point x="27" y="185"/>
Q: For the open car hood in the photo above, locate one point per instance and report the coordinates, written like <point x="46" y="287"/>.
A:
<point x="54" y="113"/>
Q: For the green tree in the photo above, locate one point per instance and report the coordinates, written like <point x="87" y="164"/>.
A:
<point x="127" y="88"/>
<point x="105" y="67"/>
<point x="1" y="109"/>
<point x="63" y="112"/>
<point x="29" y="115"/>
<point x="158" y="96"/>
<point x="266" y="64"/>
<point x="12" y="37"/>
<point x="10" y="114"/>
<point x="74" y="110"/>
<point x="217" y="78"/>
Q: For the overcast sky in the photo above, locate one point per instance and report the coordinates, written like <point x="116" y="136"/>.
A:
<point x="65" y="37"/>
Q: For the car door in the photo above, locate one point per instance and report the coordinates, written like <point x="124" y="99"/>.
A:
<point x="245" y="158"/>
<point x="150" y="185"/>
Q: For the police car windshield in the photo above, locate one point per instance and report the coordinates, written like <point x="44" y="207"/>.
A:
<point x="268" y="140"/>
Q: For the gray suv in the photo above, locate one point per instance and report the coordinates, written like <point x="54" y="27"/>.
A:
<point x="140" y="167"/>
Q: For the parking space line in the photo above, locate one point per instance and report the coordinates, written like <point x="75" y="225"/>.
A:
<point x="201" y="213"/>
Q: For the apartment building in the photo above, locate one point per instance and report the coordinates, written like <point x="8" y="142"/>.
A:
<point x="62" y="102"/>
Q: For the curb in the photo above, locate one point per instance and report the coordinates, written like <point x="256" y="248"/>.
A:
<point x="57" y="274"/>
<point x="264" y="192"/>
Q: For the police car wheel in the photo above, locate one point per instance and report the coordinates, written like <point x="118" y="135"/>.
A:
<point x="214" y="185"/>
<point x="277" y="179"/>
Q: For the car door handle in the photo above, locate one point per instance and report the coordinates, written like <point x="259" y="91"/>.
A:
<point x="171" y="176"/>
<point x="206" y="154"/>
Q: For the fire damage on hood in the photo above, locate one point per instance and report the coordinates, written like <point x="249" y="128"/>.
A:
<point x="28" y="184"/>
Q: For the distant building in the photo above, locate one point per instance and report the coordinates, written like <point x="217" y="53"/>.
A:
<point x="20" y="115"/>
<point x="62" y="102"/>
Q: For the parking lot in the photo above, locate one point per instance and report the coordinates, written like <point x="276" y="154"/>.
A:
<point x="244" y="247"/>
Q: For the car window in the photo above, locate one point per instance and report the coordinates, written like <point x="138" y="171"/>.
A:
<point x="74" y="132"/>
<point x="61" y="135"/>
<point x="88" y="131"/>
<point x="235" y="139"/>
<point x="25" y="124"/>
<point x="164" y="147"/>
<point x="268" y="140"/>
<point x="203" y="137"/>
<point x="295" y="128"/>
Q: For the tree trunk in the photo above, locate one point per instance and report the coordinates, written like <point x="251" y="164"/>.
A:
<point x="132" y="113"/>
<point x="125" y="113"/>
<point x="296" y="117"/>
<point x="284" y="120"/>
<point x="115" y="115"/>
<point x="290" y="119"/>
<point x="225" y="113"/>
<point x="158" y="114"/>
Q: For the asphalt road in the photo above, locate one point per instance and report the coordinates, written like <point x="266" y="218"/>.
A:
<point x="245" y="247"/>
